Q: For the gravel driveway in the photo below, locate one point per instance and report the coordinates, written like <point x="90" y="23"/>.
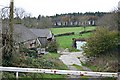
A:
<point x="70" y="58"/>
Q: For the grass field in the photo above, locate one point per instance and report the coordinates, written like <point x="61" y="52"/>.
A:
<point x="66" y="41"/>
<point x="70" y="29"/>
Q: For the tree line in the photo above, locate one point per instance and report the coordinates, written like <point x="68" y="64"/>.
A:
<point x="57" y="20"/>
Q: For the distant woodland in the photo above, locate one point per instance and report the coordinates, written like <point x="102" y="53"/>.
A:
<point x="57" y="20"/>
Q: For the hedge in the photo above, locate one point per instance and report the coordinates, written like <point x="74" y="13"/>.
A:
<point x="102" y="41"/>
<point x="65" y="34"/>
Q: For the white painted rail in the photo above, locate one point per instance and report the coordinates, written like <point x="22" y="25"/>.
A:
<point x="54" y="71"/>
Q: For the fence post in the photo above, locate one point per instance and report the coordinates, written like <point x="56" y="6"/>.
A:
<point x="16" y="75"/>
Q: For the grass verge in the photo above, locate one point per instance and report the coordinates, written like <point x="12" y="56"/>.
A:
<point x="78" y="67"/>
<point x="47" y="61"/>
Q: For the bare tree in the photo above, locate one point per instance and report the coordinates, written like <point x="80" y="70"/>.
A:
<point x="27" y="15"/>
<point x="19" y="13"/>
<point x="109" y="20"/>
<point x="5" y="13"/>
<point x="44" y="23"/>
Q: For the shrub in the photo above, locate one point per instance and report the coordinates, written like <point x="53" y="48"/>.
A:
<point x="101" y="42"/>
<point x="30" y="52"/>
<point x="52" y="46"/>
<point x="82" y="32"/>
<point x="65" y="34"/>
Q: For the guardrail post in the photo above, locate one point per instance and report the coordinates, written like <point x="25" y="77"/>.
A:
<point x="16" y="75"/>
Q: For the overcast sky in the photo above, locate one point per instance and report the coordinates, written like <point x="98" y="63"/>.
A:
<point x="51" y="7"/>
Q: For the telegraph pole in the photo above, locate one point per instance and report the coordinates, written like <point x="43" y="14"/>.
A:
<point x="11" y="22"/>
<point x="8" y="50"/>
<point x="119" y="32"/>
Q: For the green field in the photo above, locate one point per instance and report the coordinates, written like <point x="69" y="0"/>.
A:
<point x="66" y="41"/>
<point x="70" y="29"/>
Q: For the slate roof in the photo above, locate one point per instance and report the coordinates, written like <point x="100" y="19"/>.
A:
<point x="22" y="34"/>
<point x="42" y="33"/>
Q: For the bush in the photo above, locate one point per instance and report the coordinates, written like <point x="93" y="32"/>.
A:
<point x="30" y="52"/>
<point x="52" y="46"/>
<point x="65" y="34"/>
<point x="101" y="42"/>
<point x="82" y="32"/>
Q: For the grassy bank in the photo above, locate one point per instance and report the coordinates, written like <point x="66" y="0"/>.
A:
<point x="93" y="68"/>
<point x="47" y="61"/>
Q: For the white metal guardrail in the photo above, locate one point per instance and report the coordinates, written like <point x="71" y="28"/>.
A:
<point x="53" y="71"/>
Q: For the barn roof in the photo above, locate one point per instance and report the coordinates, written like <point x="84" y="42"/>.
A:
<point x="42" y="33"/>
<point x="22" y="33"/>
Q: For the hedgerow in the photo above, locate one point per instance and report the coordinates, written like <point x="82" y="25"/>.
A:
<point x="102" y="41"/>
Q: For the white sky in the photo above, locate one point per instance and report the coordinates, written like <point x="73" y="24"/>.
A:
<point x="51" y="7"/>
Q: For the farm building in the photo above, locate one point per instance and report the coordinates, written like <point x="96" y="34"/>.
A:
<point x="30" y="38"/>
<point x="44" y="36"/>
<point x="23" y="35"/>
<point x="78" y="43"/>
